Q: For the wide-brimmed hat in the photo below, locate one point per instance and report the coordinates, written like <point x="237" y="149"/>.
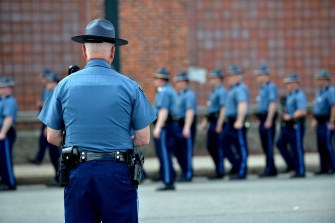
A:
<point x="323" y="74"/>
<point x="181" y="76"/>
<point x="52" y="77"/>
<point x="6" y="82"/>
<point x="292" y="78"/>
<point x="162" y="73"/>
<point x="98" y="31"/>
<point x="235" y="70"/>
<point x="216" y="73"/>
<point x="262" y="70"/>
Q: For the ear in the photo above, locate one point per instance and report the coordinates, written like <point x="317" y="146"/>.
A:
<point x="112" y="53"/>
<point x="84" y="51"/>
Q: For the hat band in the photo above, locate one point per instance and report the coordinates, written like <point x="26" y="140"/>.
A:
<point x="164" y="76"/>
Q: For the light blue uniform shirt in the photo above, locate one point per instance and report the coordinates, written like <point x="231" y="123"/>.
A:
<point x="217" y="99"/>
<point x="186" y="100"/>
<point x="166" y="97"/>
<point x="99" y="108"/>
<point x="236" y="94"/>
<point x="45" y="94"/>
<point x="8" y="107"/>
<point x="267" y="94"/>
<point x="296" y="100"/>
<point x="324" y="100"/>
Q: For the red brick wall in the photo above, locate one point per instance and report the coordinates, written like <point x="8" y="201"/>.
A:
<point x="35" y="35"/>
<point x="158" y="36"/>
<point x="288" y="35"/>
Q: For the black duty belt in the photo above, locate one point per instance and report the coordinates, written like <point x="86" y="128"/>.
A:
<point x="113" y="156"/>
<point x="322" y="118"/>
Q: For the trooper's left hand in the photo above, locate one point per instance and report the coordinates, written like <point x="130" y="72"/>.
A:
<point x="331" y="126"/>
<point x="186" y="132"/>
<point x="238" y="125"/>
<point x="268" y="124"/>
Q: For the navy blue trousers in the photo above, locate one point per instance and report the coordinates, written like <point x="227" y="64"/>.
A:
<point x="325" y="147"/>
<point x="164" y="150"/>
<point x="183" y="150"/>
<point x="294" y="157"/>
<point x="237" y="138"/>
<point x="6" y="162"/>
<point x="54" y="151"/>
<point x="100" y="191"/>
<point x="267" y="137"/>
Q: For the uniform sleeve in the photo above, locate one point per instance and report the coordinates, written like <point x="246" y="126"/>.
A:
<point x="191" y="101"/>
<point x="301" y="101"/>
<point x="242" y="95"/>
<point x="143" y="114"/>
<point x="10" y="108"/>
<point x="331" y="96"/>
<point x="51" y="114"/>
<point x="273" y="95"/>
<point x="165" y="100"/>
<point x="222" y="98"/>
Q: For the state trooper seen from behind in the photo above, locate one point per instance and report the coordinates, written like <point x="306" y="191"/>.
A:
<point x="235" y="137"/>
<point x="293" y="129"/>
<point x="186" y="108"/>
<point x="324" y="121"/>
<point x="267" y="106"/>
<point x="98" y="108"/>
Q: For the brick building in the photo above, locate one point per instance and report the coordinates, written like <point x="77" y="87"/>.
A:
<point x="287" y="35"/>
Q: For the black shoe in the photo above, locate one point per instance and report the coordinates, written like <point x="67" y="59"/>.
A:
<point x="215" y="177"/>
<point x="288" y="170"/>
<point x="7" y="188"/>
<point x="184" y="180"/>
<point x="35" y="161"/>
<point x="321" y="172"/>
<point x="238" y="177"/>
<point x="53" y="183"/>
<point x="269" y="174"/>
<point x="298" y="176"/>
<point x="166" y="187"/>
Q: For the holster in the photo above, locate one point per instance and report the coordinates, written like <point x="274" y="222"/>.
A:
<point x="67" y="161"/>
<point x="136" y="165"/>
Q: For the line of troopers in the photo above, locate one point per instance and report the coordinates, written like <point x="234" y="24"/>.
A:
<point x="174" y="130"/>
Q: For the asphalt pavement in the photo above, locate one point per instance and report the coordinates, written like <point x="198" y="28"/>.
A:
<point x="274" y="200"/>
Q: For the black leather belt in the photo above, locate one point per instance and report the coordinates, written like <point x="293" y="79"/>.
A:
<point x="117" y="156"/>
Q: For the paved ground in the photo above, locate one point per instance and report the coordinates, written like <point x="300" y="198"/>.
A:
<point x="275" y="200"/>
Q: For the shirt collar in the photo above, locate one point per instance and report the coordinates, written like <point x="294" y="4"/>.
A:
<point x="98" y="62"/>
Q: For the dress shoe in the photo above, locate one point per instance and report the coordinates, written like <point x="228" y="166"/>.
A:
<point x="288" y="169"/>
<point x="297" y="176"/>
<point x="215" y="177"/>
<point x="4" y="187"/>
<point x="167" y="187"/>
<point x="238" y="177"/>
<point x="184" y="180"/>
<point x="35" y="161"/>
<point x="268" y="174"/>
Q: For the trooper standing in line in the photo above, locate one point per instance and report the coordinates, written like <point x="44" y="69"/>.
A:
<point x="8" y="113"/>
<point x="267" y="106"/>
<point x="324" y="121"/>
<point x="99" y="107"/>
<point x="51" y="81"/>
<point x="236" y="114"/>
<point x="186" y="109"/>
<point x="216" y="120"/>
<point x="165" y="127"/>
<point x="293" y="128"/>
